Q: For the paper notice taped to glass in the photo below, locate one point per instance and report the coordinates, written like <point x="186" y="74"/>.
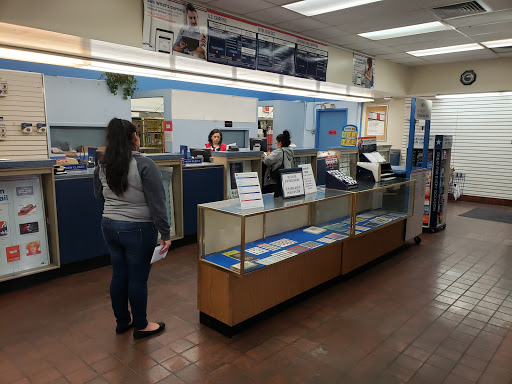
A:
<point x="157" y="255"/>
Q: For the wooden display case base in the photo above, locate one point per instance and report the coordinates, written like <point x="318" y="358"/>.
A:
<point x="231" y="299"/>
<point x="363" y="249"/>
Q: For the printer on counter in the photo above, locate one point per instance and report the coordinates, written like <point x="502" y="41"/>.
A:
<point x="373" y="167"/>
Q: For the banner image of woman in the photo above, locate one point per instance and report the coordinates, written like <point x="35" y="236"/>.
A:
<point x="33" y="248"/>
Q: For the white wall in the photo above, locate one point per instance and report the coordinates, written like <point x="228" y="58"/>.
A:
<point x="116" y="21"/>
<point x="83" y="102"/>
<point x="492" y="75"/>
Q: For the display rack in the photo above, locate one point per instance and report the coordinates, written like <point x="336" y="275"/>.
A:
<point x="29" y="240"/>
<point x="438" y="179"/>
<point x="347" y="159"/>
<point x="152" y="135"/>
<point x="253" y="260"/>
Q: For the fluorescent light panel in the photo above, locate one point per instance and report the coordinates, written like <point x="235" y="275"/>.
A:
<point x="444" y="50"/>
<point x="471" y="95"/>
<point x="317" y="7"/>
<point x="498" y="43"/>
<point x="129" y="70"/>
<point x="34" y="57"/>
<point x="410" y="30"/>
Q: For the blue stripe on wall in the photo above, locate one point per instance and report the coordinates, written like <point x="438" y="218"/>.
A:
<point x="147" y="83"/>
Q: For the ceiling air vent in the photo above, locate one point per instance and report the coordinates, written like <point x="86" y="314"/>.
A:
<point x="460" y="9"/>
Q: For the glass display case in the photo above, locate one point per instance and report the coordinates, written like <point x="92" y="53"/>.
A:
<point x="242" y="241"/>
<point x="28" y="218"/>
<point x="381" y="204"/>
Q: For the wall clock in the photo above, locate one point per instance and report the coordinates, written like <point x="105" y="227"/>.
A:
<point x="468" y="77"/>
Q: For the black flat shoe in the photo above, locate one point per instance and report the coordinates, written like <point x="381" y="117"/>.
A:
<point x="142" y="334"/>
<point x="123" y="328"/>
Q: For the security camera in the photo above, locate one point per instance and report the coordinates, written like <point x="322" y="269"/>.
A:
<point x="26" y="128"/>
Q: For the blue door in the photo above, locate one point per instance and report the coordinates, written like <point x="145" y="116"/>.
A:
<point x="328" y="128"/>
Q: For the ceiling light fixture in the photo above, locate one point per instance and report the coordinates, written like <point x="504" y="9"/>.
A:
<point x="44" y="58"/>
<point x="318" y="7"/>
<point x="129" y="70"/>
<point x="410" y="30"/>
<point x="444" y="50"/>
<point x="471" y="95"/>
<point x="498" y="43"/>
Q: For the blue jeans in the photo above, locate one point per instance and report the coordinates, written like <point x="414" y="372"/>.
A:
<point x="131" y="246"/>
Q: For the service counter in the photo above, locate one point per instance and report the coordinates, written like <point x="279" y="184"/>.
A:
<point x="79" y="213"/>
<point x="236" y="162"/>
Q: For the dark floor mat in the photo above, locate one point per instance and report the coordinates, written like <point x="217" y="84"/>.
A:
<point x="501" y="216"/>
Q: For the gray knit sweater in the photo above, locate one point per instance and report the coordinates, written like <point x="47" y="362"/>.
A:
<point x="143" y="201"/>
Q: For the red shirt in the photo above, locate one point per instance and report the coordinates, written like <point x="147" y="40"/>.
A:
<point x="223" y="147"/>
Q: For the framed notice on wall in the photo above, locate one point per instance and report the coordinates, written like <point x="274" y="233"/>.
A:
<point x="376" y="122"/>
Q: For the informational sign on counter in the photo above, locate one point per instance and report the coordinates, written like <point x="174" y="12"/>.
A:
<point x="309" y="178"/>
<point x="249" y="190"/>
<point x="349" y="136"/>
<point x="292" y="183"/>
<point x="178" y="28"/>
<point x="23" y="241"/>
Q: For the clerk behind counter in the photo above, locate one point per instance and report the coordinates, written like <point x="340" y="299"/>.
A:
<point x="215" y="141"/>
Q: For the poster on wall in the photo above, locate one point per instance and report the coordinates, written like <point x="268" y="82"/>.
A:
<point x="23" y="237"/>
<point x="175" y="27"/>
<point x="349" y="136"/>
<point x="363" y="73"/>
<point x="181" y="28"/>
<point x="376" y="122"/>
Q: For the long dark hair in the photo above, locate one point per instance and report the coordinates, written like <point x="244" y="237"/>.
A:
<point x="284" y="138"/>
<point x="118" y="154"/>
<point x="213" y="132"/>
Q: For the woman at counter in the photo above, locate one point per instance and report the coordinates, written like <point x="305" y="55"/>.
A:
<point x="215" y="141"/>
<point x="130" y="185"/>
<point x="280" y="158"/>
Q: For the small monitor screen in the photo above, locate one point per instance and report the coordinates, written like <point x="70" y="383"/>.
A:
<point x="257" y="144"/>
<point x="205" y="153"/>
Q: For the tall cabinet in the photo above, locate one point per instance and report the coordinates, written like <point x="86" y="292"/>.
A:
<point x="438" y="179"/>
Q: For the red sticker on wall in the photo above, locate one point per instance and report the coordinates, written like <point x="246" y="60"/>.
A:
<point x="332" y="132"/>
<point x="13" y="253"/>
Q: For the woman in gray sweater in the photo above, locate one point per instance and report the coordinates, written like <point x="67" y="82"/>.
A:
<point x="130" y="185"/>
<point x="280" y="158"/>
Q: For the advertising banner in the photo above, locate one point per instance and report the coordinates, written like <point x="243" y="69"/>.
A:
<point x="363" y="73"/>
<point x="23" y="241"/>
<point x="181" y="28"/>
<point x="175" y="27"/>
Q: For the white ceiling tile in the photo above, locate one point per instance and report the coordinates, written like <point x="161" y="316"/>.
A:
<point x="325" y="33"/>
<point x="410" y="60"/>
<point x="433" y="44"/>
<point x="241" y="7"/>
<point x="375" y="51"/>
<point x="275" y="15"/>
<point x="393" y="56"/>
<point x="301" y="25"/>
<point x="508" y="54"/>
<point x="484" y="18"/>
<point x="462" y="56"/>
<point x="493" y="36"/>
<point x="497" y="5"/>
<point x="349" y="39"/>
<point x="487" y="28"/>
<point x="433" y="36"/>
<point x="437" y="3"/>
<point x="282" y="2"/>
<point x="389" y="21"/>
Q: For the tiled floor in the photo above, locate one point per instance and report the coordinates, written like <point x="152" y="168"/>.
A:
<point x="439" y="312"/>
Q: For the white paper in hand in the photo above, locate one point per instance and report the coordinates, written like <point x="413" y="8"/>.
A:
<point x="156" y="254"/>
